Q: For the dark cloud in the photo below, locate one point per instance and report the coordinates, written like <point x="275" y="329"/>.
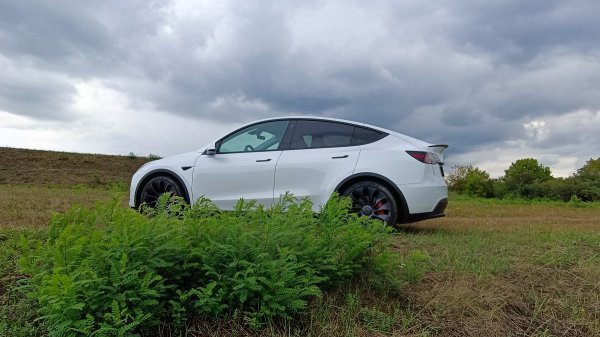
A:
<point x="516" y="32"/>
<point x="33" y="93"/>
<point x="457" y="117"/>
<point x="460" y="72"/>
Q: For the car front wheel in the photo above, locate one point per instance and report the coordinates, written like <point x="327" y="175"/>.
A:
<point x="373" y="200"/>
<point x="157" y="186"/>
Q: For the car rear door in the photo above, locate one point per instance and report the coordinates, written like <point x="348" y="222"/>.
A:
<point x="320" y="155"/>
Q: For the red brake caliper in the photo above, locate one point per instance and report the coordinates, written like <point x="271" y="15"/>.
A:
<point x="377" y="205"/>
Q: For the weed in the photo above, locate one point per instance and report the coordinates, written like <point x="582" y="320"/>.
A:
<point x="377" y="320"/>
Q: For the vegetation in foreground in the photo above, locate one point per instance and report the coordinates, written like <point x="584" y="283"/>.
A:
<point x="491" y="267"/>
<point x="521" y="268"/>
<point x="113" y="272"/>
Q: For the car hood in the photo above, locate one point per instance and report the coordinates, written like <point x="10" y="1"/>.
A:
<point x="170" y="162"/>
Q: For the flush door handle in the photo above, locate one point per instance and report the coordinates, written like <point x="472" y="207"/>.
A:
<point x="340" y="157"/>
<point x="263" y="160"/>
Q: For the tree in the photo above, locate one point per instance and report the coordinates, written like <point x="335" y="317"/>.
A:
<point x="587" y="181"/>
<point x="466" y="179"/>
<point x="523" y="175"/>
<point x="478" y="183"/>
<point x="456" y="178"/>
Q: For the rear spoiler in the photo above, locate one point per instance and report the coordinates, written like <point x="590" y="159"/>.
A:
<point x="439" y="149"/>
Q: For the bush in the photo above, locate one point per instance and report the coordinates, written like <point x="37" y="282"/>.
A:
<point x="522" y="176"/>
<point x="152" y="156"/>
<point x="466" y="179"/>
<point x="587" y="181"/>
<point x="456" y="177"/>
<point x="555" y="189"/>
<point x="114" y="272"/>
<point x="478" y="183"/>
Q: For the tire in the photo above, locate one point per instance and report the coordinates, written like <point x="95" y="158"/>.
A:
<point x="156" y="186"/>
<point x="374" y="200"/>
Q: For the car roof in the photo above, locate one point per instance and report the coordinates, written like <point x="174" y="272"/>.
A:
<point x="409" y="139"/>
<point x="331" y="119"/>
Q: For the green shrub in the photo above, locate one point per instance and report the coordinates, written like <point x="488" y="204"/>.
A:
<point x="456" y="177"/>
<point x="521" y="177"/>
<point x="587" y="181"/>
<point x="555" y="189"/>
<point x="114" y="272"/>
<point x="477" y="183"/>
<point x="470" y="180"/>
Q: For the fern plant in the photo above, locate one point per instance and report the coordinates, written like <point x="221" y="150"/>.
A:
<point x="111" y="271"/>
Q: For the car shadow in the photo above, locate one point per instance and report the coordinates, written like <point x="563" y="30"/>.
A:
<point x="419" y="229"/>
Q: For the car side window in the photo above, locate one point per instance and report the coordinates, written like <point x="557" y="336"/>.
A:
<point x="310" y="134"/>
<point x="258" y="137"/>
<point x="364" y="136"/>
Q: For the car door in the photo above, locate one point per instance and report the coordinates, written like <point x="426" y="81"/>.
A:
<point x="242" y="167"/>
<point x="320" y="155"/>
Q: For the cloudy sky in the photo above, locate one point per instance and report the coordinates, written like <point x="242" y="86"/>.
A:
<point x="497" y="80"/>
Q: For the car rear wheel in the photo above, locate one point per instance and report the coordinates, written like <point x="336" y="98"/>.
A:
<point x="156" y="187"/>
<point x="373" y="200"/>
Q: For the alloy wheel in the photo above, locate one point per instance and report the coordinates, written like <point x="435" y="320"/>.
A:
<point x="372" y="202"/>
<point x="157" y="187"/>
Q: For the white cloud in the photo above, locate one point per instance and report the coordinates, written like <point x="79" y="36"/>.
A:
<point x="105" y="123"/>
<point x="564" y="143"/>
<point x="536" y="129"/>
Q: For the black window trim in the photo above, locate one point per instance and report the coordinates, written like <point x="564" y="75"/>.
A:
<point x="296" y="120"/>
<point x="286" y="140"/>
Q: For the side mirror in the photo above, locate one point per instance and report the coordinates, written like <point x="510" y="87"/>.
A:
<point x="211" y="152"/>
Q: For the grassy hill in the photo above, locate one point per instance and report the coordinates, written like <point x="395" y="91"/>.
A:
<point x="36" y="167"/>
<point x="490" y="268"/>
<point x="34" y="183"/>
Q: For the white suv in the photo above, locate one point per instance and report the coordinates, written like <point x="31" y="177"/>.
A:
<point x="388" y="175"/>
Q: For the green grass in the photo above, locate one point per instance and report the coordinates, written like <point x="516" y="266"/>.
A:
<point x="520" y="201"/>
<point x="490" y="268"/>
<point x="17" y="313"/>
<point x="486" y="269"/>
<point x="31" y="206"/>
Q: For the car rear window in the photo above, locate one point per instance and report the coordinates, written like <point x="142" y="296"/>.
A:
<point x="364" y="136"/>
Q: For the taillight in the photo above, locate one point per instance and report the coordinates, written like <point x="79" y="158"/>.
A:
<point x="425" y="157"/>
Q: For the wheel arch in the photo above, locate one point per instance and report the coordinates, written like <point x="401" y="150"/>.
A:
<point x="378" y="178"/>
<point x="157" y="173"/>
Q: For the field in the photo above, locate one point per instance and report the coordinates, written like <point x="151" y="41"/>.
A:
<point x="490" y="268"/>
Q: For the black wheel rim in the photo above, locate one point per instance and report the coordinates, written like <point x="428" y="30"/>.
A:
<point x="155" y="188"/>
<point x="371" y="202"/>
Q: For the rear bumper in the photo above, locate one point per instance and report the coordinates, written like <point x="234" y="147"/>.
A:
<point x="437" y="212"/>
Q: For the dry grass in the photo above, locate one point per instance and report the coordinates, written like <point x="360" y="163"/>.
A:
<point x="23" y="206"/>
<point x="495" y="268"/>
<point x="508" y="270"/>
<point x="34" y="184"/>
<point x="34" y="167"/>
<point x="466" y="214"/>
